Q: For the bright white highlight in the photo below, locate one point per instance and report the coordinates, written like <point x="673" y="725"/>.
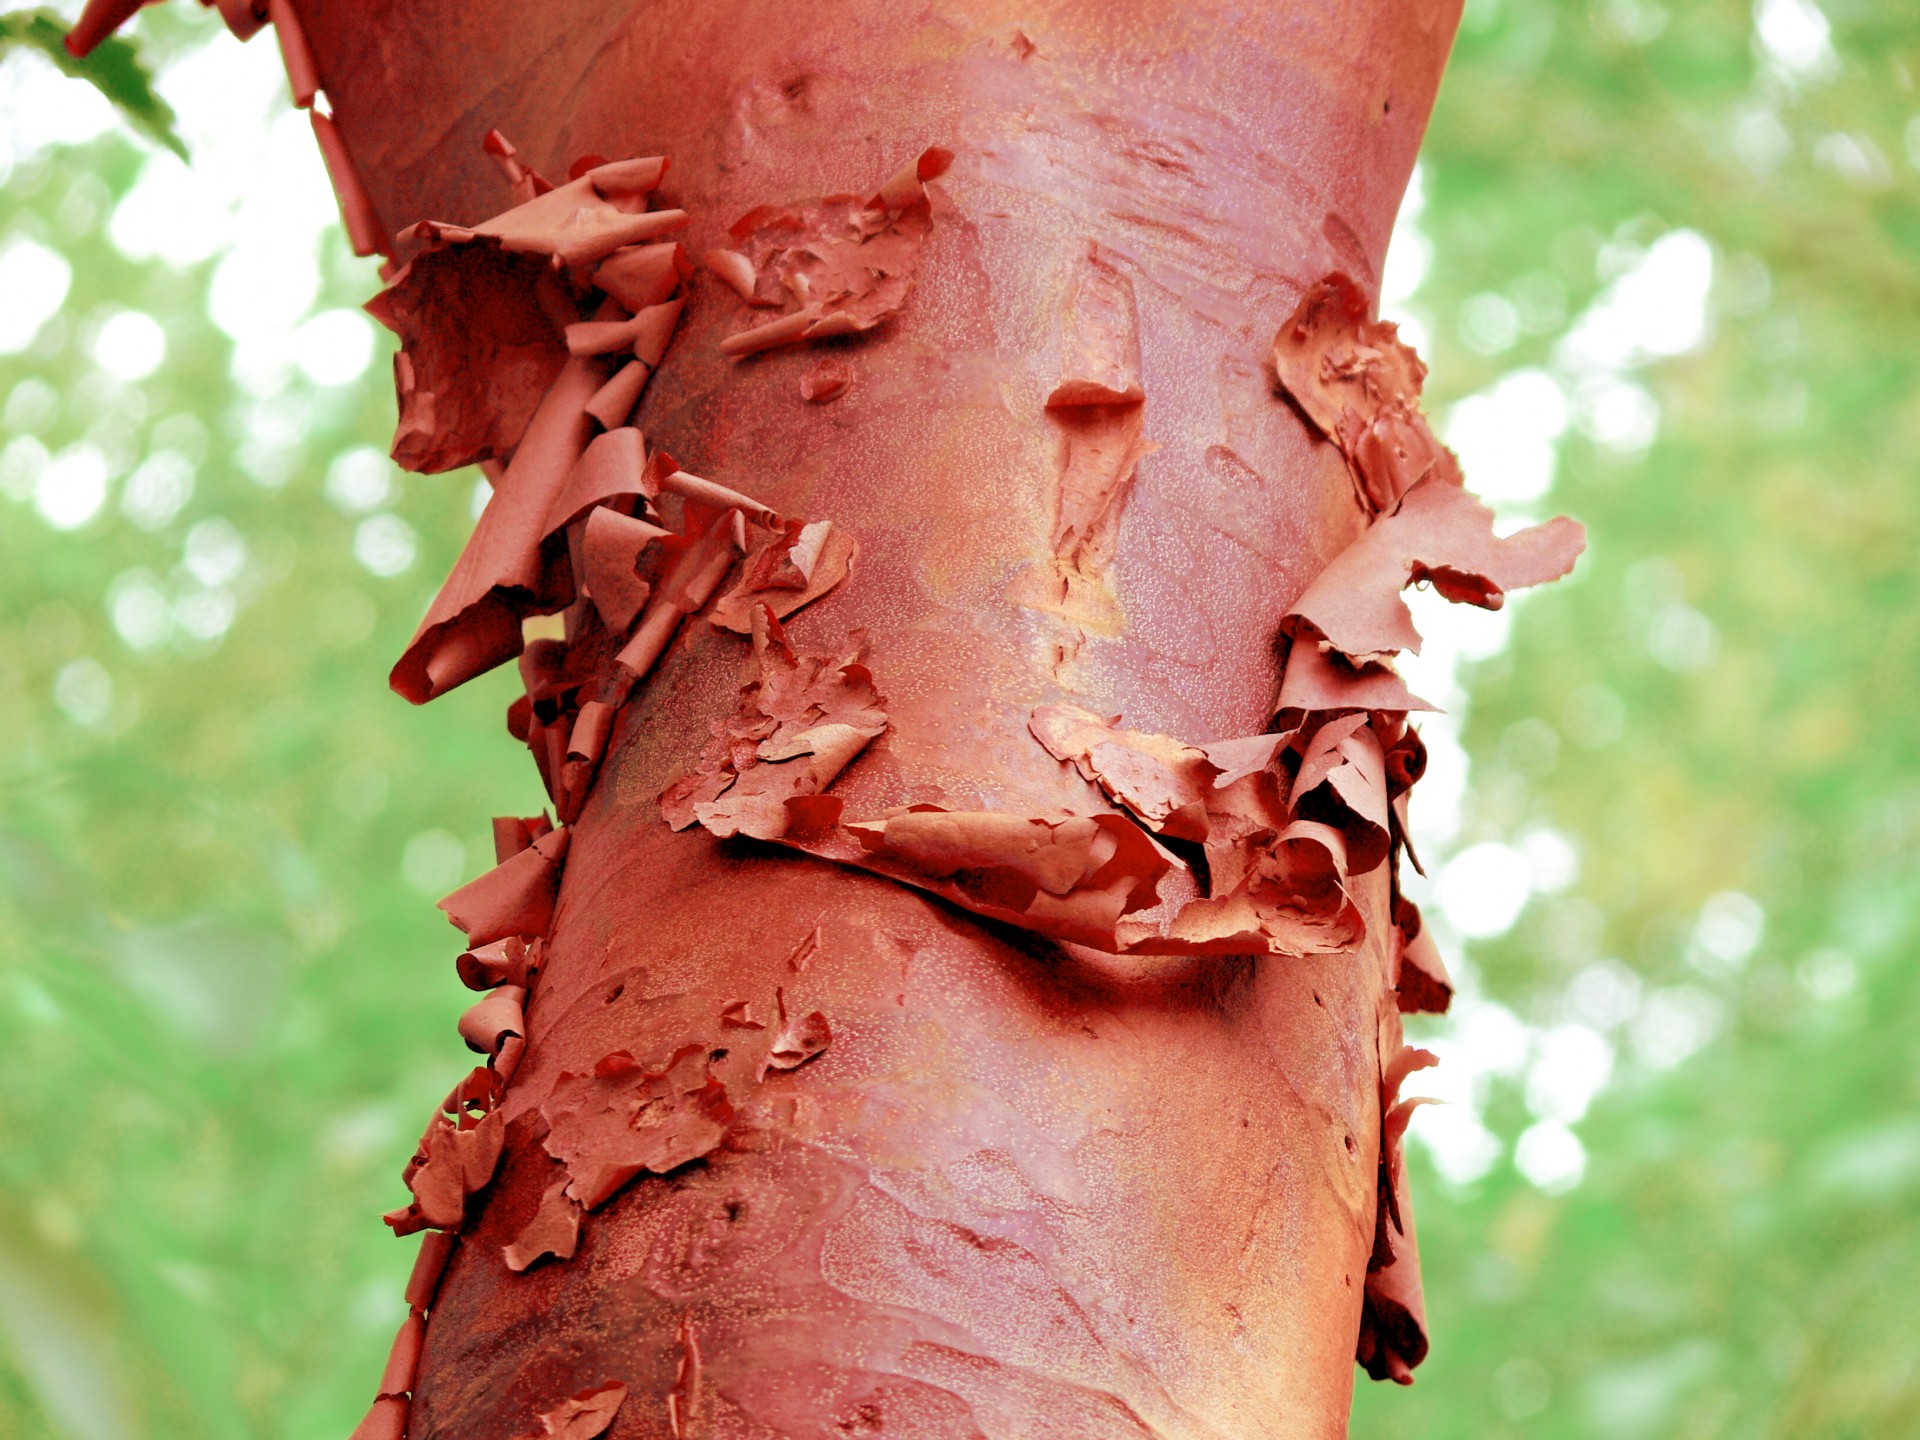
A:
<point x="1606" y="995"/>
<point x="21" y="465"/>
<point x="334" y="347"/>
<point x="1486" y="1041"/>
<point x="1726" y="934"/>
<point x="44" y="108"/>
<point x="1507" y="436"/>
<point x="204" y="616"/>
<point x="1673" y="1024"/>
<point x="1551" y="1157"/>
<point x="34" y="281"/>
<point x="1795" y="36"/>
<point x="1574" y="1065"/>
<point x="130" y="345"/>
<point x="1483" y="889"/>
<point x="433" y="863"/>
<point x="1656" y="309"/>
<point x="72" y="487"/>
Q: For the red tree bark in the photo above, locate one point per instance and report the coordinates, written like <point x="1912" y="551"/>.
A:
<point x="901" y="1145"/>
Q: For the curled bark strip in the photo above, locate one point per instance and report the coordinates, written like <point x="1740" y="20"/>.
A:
<point x="1317" y="680"/>
<point x="641" y="276"/>
<point x="613" y="403"/>
<point x="798" y="725"/>
<point x="716" y="496"/>
<point x="683" y="1401"/>
<point x="843" y="265"/>
<point x="1342" y="779"/>
<point x="685" y="587"/>
<point x="786" y="574"/>
<point x="1360" y="386"/>
<point x="512" y="899"/>
<point x="1393" y="1318"/>
<point x="436" y="1247"/>
<point x="512" y="834"/>
<point x="1440" y="534"/>
<point x="802" y="957"/>
<point x="387" y="1420"/>
<point x="503" y="575"/>
<point x="611" y="549"/>
<point x="455" y="1158"/>
<point x="488" y="1023"/>
<point x="365" y="234"/>
<point x="303" y="76"/>
<point x="1393" y="1326"/>
<point x="1071" y="877"/>
<point x="554" y="1230"/>
<point x="645" y="334"/>
<point x="576" y="224"/>
<point x="825" y="381"/>
<point x="403" y="1359"/>
<point x="524" y="181"/>
<point x="737" y="271"/>
<point x="480" y="310"/>
<point x="622" y="1118"/>
<point x="1095" y="410"/>
<point x="1421" y="982"/>
<point x="612" y="470"/>
<point x="511" y="960"/>
<point x="1276" y="874"/>
<point x="585" y="1416"/>
<point x="1101" y="447"/>
<point x="244" y="19"/>
<point x="461" y="313"/>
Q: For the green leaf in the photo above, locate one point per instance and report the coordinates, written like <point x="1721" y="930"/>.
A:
<point x="114" y="69"/>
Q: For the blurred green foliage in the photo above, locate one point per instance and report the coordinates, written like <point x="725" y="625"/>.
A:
<point x="225" y="994"/>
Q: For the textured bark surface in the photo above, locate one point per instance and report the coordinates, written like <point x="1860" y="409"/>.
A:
<point x="1027" y="1189"/>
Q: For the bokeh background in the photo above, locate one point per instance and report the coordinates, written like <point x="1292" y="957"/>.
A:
<point x="1662" y="259"/>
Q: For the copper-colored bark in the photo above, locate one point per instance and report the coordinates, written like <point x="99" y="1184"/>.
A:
<point x="944" y="1178"/>
<point x="1024" y="1190"/>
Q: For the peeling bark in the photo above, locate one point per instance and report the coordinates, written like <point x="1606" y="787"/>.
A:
<point x="1041" y="1076"/>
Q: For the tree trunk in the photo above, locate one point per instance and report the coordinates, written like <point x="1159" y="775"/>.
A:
<point x="1027" y="1188"/>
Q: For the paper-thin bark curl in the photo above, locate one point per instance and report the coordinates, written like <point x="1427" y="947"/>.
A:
<point x="799" y="723"/>
<point x="1393" y="1327"/>
<point x="843" y="265"/>
<point x="512" y="899"/>
<point x="789" y="572"/>
<point x="504" y="574"/>
<point x="1359" y="385"/>
<point x="553" y="1231"/>
<point x="1421" y="982"/>
<point x="1440" y="534"/>
<point x="1276" y="877"/>
<point x="429" y="1264"/>
<point x="622" y="1119"/>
